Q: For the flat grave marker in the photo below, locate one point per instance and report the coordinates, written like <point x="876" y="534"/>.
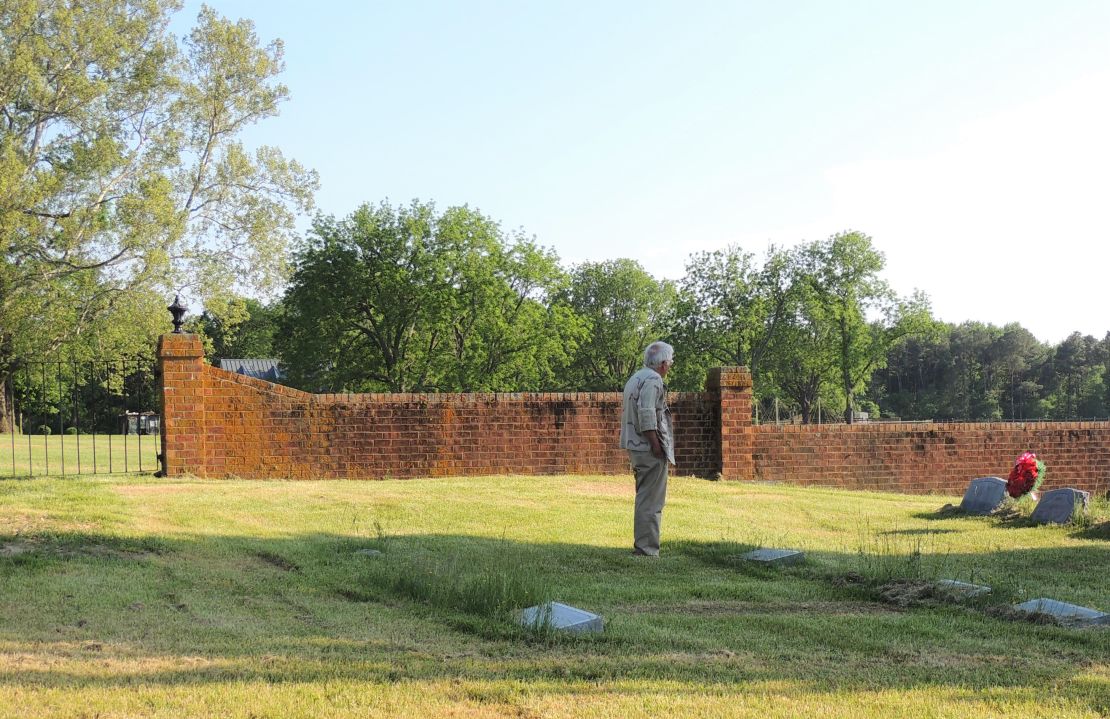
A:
<point x="959" y="591"/>
<point x="1068" y="613"/>
<point x="775" y="557"/>
<point x="562" y="617"/>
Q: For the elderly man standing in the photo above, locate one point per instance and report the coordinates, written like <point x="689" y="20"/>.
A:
<point x="646" y="434"/>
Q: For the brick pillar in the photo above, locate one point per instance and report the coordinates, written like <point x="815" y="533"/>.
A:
<point x="181" y="366"/>
<point x="733" y="386"/>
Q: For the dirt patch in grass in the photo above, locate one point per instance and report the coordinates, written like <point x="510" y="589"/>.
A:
<point x="76" y="546"/>
<point x="1003" y="611"/>
<point x="911" y="592"/>
<point x="14" y="549"/>
<point x="354" y="595"/>
<point x="106" y="551"/>
<point x="849" y="579"/>
<point x="276" y="560"/>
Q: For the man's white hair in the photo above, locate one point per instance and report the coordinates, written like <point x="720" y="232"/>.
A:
<point x="657" y="353"/>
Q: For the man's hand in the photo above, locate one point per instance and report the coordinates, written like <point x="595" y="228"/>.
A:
<point x="656" y="445"/>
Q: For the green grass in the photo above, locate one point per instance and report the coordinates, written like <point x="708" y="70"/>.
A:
<point x="36" y="455"/>
<point x="124" y="597"/>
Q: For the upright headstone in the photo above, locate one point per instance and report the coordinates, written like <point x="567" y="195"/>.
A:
<point x="1058" y="506"/>
<point x="984" y="495"/>
<point x="562" y="617"/>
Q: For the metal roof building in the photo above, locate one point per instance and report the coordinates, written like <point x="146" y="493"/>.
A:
<point x="264" y="369"/>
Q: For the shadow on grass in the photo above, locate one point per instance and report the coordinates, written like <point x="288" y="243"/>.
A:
<point x="1097" y="531"/>
<point x="32" y="551"/>
<point x="948" y="511"/>
<point x="296" y="609"/>
<point x="1006" y="516"/>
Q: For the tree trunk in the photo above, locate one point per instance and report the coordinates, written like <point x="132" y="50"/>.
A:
<point x="7" y="421"/>
<point x="806" y="410"/>
<point x="7" y="391"/>
<point x="845" y="371"/>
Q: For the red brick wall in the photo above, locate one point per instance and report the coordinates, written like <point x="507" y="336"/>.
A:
<point x="733" y="388"/>
<point x="182" y="368"/>
<point x="222" y="424"/>
<point x="928" y="457"/>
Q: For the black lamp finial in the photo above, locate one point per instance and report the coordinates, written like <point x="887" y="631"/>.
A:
<point x="178" y="311"/>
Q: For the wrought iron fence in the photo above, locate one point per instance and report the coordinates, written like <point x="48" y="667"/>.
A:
<point x="70" y="418"/>
<point x="778" y="411"/>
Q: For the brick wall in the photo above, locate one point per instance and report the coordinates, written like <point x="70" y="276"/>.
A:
<point x="181" y="366"/>
<point x="221" y="424"/>
<point x="928" y="457"/>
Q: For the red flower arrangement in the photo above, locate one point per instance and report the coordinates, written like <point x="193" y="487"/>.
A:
<point x="1026" y="476"/>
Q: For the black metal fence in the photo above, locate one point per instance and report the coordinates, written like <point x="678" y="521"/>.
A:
<point x="774" y="410"/>
<point x="70" y="418"/>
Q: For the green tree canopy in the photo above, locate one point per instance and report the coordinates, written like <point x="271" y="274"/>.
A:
<point x="625" y="309"/>
<point x="847" y="294"/>
<point x="121" y="171"/>
<point x="244" y="328"/>
<point x="728" y="311"/>
<point x="409" y="299"/>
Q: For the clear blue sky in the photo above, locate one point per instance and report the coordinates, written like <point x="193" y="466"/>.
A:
<point x="970" y="139"/>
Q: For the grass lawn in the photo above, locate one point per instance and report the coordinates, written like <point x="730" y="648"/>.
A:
<point x="23" y="455"/>
<point x="132" y="596"/>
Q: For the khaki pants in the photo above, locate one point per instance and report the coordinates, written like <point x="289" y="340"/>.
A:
<point x="651" y="495"/>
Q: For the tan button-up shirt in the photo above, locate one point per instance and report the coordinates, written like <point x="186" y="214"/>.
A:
<point x="645" y="407"/>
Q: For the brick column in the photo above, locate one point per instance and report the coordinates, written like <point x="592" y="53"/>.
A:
<point x="733" y="385"/>
<point x="181" y="366"/>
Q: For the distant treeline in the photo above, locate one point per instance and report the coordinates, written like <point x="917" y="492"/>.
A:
<point x="412" y="299"/>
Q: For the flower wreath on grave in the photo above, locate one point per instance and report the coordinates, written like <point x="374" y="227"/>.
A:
<point x="1026" y="476"/>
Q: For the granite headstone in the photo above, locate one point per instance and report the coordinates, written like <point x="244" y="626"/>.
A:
<point x="984" y="495"/>
<point x="1058" y="506"/>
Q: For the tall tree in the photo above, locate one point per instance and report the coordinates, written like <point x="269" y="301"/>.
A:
<point x="408" y="299"/>
<point x="866" y="316"/>
<point x="626" y="309"/>
<point x="243" y="327"/>
<point x="802" y="363"/>
<point x="1077" y="378"/>
<point x="1104" y="356"/>
<point x="1017" y="354"/>
<point x="728" y="310"/>
<point x="120" y="164"/>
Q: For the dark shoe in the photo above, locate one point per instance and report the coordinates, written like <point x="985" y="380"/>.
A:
<point x="642" y="553"/>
